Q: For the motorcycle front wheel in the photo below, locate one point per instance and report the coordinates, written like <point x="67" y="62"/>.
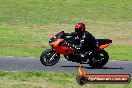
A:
<point x="49" y="57"/>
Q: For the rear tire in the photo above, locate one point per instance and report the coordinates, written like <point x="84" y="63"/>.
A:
<point x="49" y="57"/>
<point x="99" y="60"/>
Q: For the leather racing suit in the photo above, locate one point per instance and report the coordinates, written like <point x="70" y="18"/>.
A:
<point x="86" y="39"/>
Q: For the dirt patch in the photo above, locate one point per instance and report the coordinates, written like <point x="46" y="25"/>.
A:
<point x="122" y="41"/>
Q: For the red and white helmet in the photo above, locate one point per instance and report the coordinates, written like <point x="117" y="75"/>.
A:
<point x="80" y="28"/>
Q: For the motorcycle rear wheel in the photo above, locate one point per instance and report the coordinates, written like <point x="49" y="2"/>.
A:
<point x="100" y="60"/>
<point x="49" y="57"/>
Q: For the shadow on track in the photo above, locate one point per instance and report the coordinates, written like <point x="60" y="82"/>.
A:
<point x="90" y="67"/>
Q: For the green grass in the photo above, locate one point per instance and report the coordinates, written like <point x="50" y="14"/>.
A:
<point x="64" y="11"/>
<point x="120" y="52"/>
<point x="25" y="25"/>
<point x="44" y="80"/>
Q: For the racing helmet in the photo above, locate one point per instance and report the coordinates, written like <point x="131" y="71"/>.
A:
<point x="80" y="28"/>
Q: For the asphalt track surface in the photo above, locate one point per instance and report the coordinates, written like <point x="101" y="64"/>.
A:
<point x="32" y="64"/>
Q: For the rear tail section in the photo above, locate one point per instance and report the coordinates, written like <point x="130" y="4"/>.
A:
<point x="103" y="43"/>
<point x="103" y="46"/>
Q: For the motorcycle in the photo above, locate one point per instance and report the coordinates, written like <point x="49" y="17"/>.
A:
<point x="95" y="59"/>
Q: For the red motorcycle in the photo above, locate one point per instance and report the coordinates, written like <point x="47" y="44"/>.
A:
<point x="95" y="59"/>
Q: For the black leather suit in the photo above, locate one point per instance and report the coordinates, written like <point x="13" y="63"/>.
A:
<point x="86" y="39"/>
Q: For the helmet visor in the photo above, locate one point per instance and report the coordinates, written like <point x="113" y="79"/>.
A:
<point x="78" y="29"/>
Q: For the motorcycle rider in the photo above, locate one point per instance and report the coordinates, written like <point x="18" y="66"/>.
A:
<point x="86" y="39"/>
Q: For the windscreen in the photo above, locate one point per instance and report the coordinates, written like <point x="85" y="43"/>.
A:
<point x="57" y="36"/>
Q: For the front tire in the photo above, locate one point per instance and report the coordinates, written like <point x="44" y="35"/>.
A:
<point x="49" y="57"/>
<point x="99" y="59"/>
